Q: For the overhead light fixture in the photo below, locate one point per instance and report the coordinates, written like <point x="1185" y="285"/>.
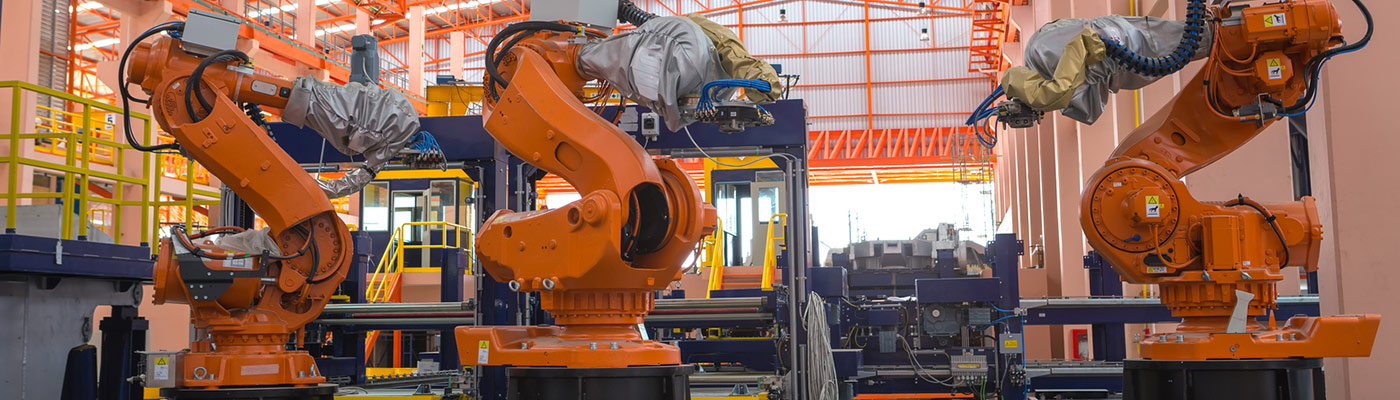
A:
<point x="923" y="35"/>
<point x="923" y="9"/>
<point x="376" y="21"/>
<point x="782" y="15"/>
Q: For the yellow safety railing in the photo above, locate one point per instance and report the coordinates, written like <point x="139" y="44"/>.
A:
<point x="770" y="255"/>
<point x="76" y="129"/>
<point x="713" y="249"/>
<point x="384" y="284"/>
<point x="64" y="122"/>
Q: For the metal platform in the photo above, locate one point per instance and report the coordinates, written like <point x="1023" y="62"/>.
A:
<point x="1073" y="311"/>
<point x="49" y="289"/>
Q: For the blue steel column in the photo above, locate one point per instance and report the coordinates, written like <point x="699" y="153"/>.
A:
<point x="123" y="335"/>
<point x="454" y="265"/>
<point x="496" y="303"/>
<point x="1005" y="254"/>
<point x="1109" y="341"/>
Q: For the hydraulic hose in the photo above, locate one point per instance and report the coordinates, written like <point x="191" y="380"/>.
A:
<point x="1170" y="64"/>
<point x="630" y="13"/>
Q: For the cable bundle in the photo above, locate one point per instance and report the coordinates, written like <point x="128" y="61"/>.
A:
<point x="425" y="151"/>
<point x="821" y="372"/>
<point x="981" y="114"/>
<point x="1170" y="64"/>
<point x="705" y="107"/>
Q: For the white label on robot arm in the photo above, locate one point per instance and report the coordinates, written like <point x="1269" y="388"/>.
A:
<point x="238" y="263"/>
<point x="483" y="352"/>
<point x="1273" y="20"/>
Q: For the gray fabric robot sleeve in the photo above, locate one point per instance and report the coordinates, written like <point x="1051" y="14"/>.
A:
<point x="657" y="65"/>
<point x="1148" y="36"/>
<point x="356" y="120"/>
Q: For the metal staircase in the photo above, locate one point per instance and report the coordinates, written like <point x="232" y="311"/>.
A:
<point x="990" y="24"/>
<point x="720" y="279"/>
<point x="386" y="285"/>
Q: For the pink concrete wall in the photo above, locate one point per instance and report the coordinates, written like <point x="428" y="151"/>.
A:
<point x="1354" y="180"/>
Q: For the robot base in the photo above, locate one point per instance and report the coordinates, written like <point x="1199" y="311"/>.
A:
<point x="323" y="391"/>
<point x="1290" y="379"/>
<point x="664" y="382"/>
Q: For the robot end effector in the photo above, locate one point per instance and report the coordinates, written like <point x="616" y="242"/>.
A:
<point x="1073" y="65"/>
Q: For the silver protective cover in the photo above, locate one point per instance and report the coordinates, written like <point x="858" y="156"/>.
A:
<point x="656" y="65"/>
<point x="1147" y="36"/>
<point x="357" y="120"/>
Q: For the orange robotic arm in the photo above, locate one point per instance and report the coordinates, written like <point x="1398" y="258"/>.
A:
<point x="1211" y="257"/>
<point x="597" y="261"/>
<point x="244" y="307"/>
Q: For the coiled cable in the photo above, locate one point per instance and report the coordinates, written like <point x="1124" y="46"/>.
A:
<point x="630" y="13"/>
<point x="1171" y="63"/>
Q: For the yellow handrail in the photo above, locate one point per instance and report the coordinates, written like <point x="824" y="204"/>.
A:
<point x="84" y="145"/>
<point x="713" y="249"/>
<point x="384" y="283"/>
<point x="770" y="256"/>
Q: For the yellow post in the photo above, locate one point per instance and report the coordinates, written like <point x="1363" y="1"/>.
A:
<point x="146" y="192"/>
<point x="770" y="256"/>
<point x="65" y="216"/>
<point x="11" y="196"/>
<point x="82" y="189"/>
<point x="189" y="194"/>
<point x="159" y="178"/>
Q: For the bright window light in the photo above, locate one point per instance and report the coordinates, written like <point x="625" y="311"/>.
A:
<point x="96" y="43"/>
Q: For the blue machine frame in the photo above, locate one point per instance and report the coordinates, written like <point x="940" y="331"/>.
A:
<point x="506" y="182"/>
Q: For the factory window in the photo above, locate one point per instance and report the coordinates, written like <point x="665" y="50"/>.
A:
<point x="374" y="215"/>
<point x="443" y="201"/>
<point x="409" y="207"/>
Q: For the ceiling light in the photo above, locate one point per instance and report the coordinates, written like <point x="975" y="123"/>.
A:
<point x="923" y="35"/>
<point x="782" y="15"/>
<point x="923" y="9"/>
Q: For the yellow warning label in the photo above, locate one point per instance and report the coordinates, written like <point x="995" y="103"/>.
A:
<point x="483" y="344"/>
<point x="162" y="361"/>
<point x="1154" y="207"/>
<point x="969" y="366"/>
<point x="1275" y="69"/>
<point x="1011" y="344"/>
<point x="1278" y="19"/>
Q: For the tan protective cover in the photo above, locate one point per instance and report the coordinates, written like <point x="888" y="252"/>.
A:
<point x="1056" y="93"/>
<point x="737" y="62"/>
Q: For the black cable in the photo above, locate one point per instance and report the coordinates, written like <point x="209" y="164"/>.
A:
<point x="1271" y="219"/>
<point x="194" y="84"/>
<point x="1314" y="66"/>
<point x="1172" y="62"/>
<point x="126" y="94"/>
<point x="630" y="13"/>
<point x="491" y="59"/>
